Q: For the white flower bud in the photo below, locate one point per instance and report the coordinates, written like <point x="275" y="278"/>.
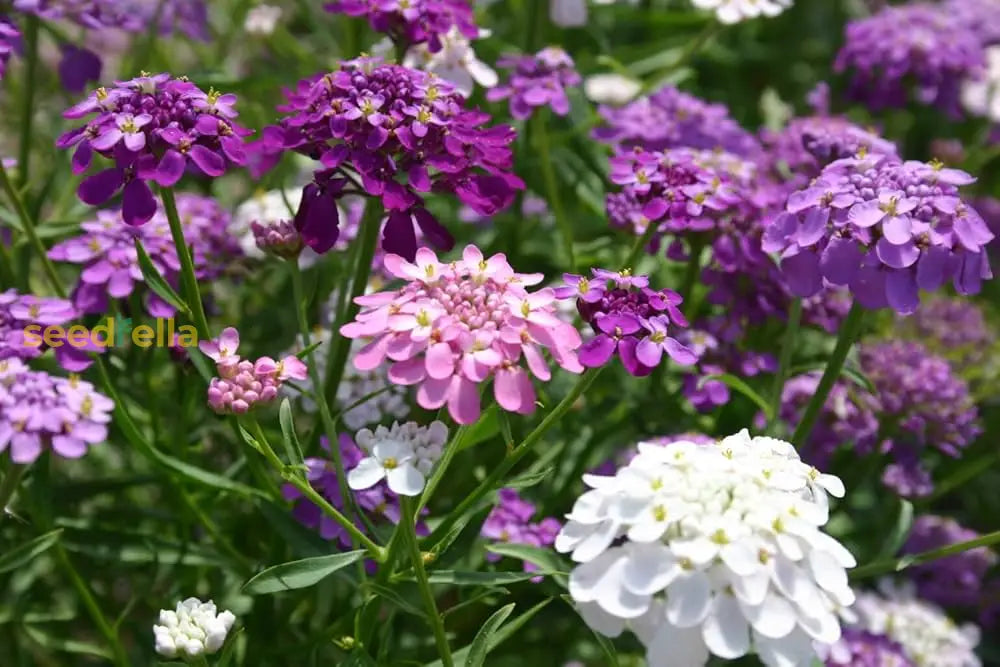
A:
<point x="194" y="628"/>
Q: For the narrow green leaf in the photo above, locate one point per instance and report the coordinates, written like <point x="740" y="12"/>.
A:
<point x="157" y="282"/>
<point x="229" y="650"/>
<point x="505" y="633"/>
<point x="292" y="447"/>
<point x="900" y="531"/>
<point x="397" y="599"/>
<point x="28" y="551"/>
<point x="481" y="644"/>
<point x="308" y="349"/>
<point x="466" y="578"/>
<point x="485" y="428"/>
<point x="546" y="560"/>
<point x="742" y="387"/>
<point x="53" y="643"/>
<point x="204" y="477"/>
<point x="508" y="436"/>
<point x="299" y="574"/>
<point x="529" y="478"/>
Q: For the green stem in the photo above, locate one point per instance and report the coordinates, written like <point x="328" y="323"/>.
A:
<point x="850" y="330"/>
<point x="300" y="483"/>
<point x="965" y="473"/>
<point x="900" y="564"/>
<point x="7" y="277"/>
<point x="692" y="48"/>
<point x="449" y="453"/>
<point x="640" y="245"/>
<point x="784" y="362"/>
<point x="9" y="485"/>
<point x="28" y="226"/>
<point x="220" y="540"/>
<point x="515" y="455"/>
<point x="105" y="628"/>
<point x="189" y="281"/>
<point x="552" y="187"/>
<point x="691" y="272"/>
<point x="433" y="615"/>
<point x="28" y="102"/>
<point x="370" y="226"/>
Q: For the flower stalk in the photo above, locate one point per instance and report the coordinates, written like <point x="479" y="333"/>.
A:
<point x="417" y="559"/>
<point x="189" y="281"/>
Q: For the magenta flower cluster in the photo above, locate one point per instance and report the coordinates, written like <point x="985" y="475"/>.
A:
<point x="10" y="38"/>
<point x="106" y="249"/>
<point x="670" y="118"/>
<point x="629" y="318"/>
<point x="280" y="239"/>
<point x="509" y="522"/>
<point x="40" y="412"/>
<point x="154" y="128"/>
<point x="455" y="326"/>
<point x="885" y="228"/>
<point x="378" y="502"/>
<point x="918" y="42"/>
<point x="189" y="17"/>
<point x="409" y="22"/>
<point x="537" y="81"/>
<point x="394" y="133"/>
<point x="243" y="385"/>
<point x="19" y="311"/>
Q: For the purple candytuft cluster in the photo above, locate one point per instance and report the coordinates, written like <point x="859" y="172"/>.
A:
<point x="717" y="357"/>
<point x="953" y="581"/>
<point x="409" y="22"/>
<point x="394" y="133"/>
<point x="797" y="153"/>
<point x="670" y="118"/>
<point x="19" y="311"/>
<point x="280" y="239"/>
<point x="378" y="502"/>
<point x="243" y="385"/>
<point x="509" y="522"/>
<point x="187" y="17"/>
<point x="919" y="406"/>
<point x="954" y="328"/>
<point x="41" y="412"/>
<point x="537" y="81"/>
<point x="10" y="38"/>
<point x="106" y="249"/>
<point x="860" y="648"/>
<point x="153" y="128"/>
<point x="918" y="42"/>
<point x="980" y="16"/>
<point x="630" y="319"/>
<point x="885" y="228"/>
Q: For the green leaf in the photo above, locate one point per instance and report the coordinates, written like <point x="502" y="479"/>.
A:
<point x="742" y="387"/>
<point x="395" y="598"/>
<point x="900" y="531"/>
<point x="204" y="477"/>
<point x="299" y="573"/>
<point x="157" y="282"/>
<point x="28" y="551"/>
<point x="505" y="633"/>
<point x="546" y="560"/>
<point x="306" y="351"/>
<point x="466" y="578"/>
<point x="53" y="643"/>
<point x="229" y="650"/>
<point x="529" y="478"/>
<point x="485" y="428"/>
<point x="481" y="644"/>
<point x="292" y="447"/>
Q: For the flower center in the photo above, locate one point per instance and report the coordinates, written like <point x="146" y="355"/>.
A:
<point x="390" y="463"/>
<point x="658" y="337"/>
<point x="889" y="207"/>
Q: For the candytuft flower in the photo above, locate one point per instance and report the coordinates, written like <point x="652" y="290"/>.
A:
<point x="20" y="311"/>
<point x="886" y="229"/>
<point x="153" y="128"/>
<point x="409" y="22"/>
<point x="536" y="81"/>
<point x="710" y="550"/>
<point x="734" y="11"/>
<point x="629" y="319"/>
<point x="41" y="412"/>
<point x="193" y="629"/>
<point x="106" y="249"/>
<point x="403" y="455"/>
<point x="953" y="581"/>
<point x="10" y="38"/>
<point x="243" y="385"/>
<point x="455" y="63"/>
<point x="399" y="133"/>
<point x="509" y="522"/>
<point x="454" y="326"/>
<point x="860" y="648"/>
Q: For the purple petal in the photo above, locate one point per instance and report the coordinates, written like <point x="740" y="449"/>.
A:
<point x="813" y="227"/>
<point x="897" y="256"/>
<point x="210" y="162"/>
<point x="138" y="204"/>
<point x="597" y="351"/>
<point x="901" y="291"/>
<point x="102" y="186"/>
<point x="866" y="214"/>
<point x="802" y="274"/>
<point x="932" y="268"/>
<point x="170" y="169"/>
<point x="399" y="237"/>
<point x="840" y="261"/>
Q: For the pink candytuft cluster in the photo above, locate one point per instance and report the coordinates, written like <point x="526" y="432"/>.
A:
<point x="280" y="239"/>
<point x="243" y="385"/>
<point x="455" y="326"/>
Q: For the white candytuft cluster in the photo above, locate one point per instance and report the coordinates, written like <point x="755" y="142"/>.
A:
<point x="194" y="628"/>
<point x="403" y="455"/>
<point x="734" y="11"/>
<point x="711" y="549"/>
<point x="927" y="635"/>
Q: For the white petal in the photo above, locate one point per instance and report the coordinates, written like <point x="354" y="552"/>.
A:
<point x="650" y="568"/>
<point x="699" y="550"/>
<point x="405" y="480"/>
<point x="570" y="535"/>
<point x="820" y="624"/>
<point x="794" y="583"/>
<point x="584" y="580"/>
<point x="648" y="625"/>
<point x="827" y="571"/>
<point x="726" y="632"/>
<point x="366" y="474"/>
<point x="826" y="543"/>
<point x="775" y="617"/>
<point x="795" y="650"/>
<point x="677" y="647"/>
<point x="392" y="449"/>
<point x="599" y="620"/>
<point x="688" y="599"/>
<point x="752" y="588"/>
<point x="740" y="557"/>
<point x="594" y="544"/>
